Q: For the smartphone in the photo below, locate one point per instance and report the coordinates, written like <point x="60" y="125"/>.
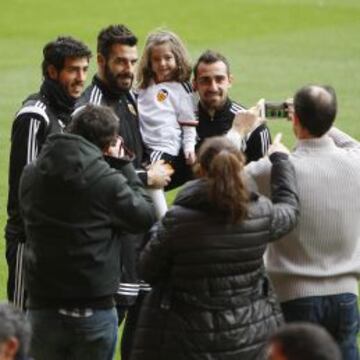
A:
<point x="275" y="110"/>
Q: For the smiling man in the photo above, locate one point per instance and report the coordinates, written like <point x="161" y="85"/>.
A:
<point x="216" y="111"/>
<point x="64" y="68"/>
<point x="112" y="87"/>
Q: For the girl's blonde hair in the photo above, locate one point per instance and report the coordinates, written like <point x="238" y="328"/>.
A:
<point x="182" y="58"/>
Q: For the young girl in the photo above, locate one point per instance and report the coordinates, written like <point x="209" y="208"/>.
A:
<point x="166" y="104"/>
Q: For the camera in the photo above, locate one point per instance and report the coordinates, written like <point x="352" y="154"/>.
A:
<point x="275" y="110"/>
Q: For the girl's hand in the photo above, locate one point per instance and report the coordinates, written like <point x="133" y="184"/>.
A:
<point x="190" y="157"/>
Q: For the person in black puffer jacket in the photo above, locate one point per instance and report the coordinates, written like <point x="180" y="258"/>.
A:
<point x="211" y="298"/>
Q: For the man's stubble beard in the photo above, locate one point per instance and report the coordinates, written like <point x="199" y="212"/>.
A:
<point x="213" y="106"/>
<point x="113" y="82"/>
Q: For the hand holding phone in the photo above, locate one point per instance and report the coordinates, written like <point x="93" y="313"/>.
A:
<point x="274" y="110"/>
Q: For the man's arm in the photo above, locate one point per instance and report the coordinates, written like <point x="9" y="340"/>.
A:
<point x="132" y="208"/>
<point x="249" y="134"/>
<point x="257" y="143"/>
<point x="260" y="171"/>
<point x="27" y="137"/>
<point x="155" y="258"/>
<point x="342" y="139"/>
<point x="284" y="196"/>
<point x="284" y="193"/>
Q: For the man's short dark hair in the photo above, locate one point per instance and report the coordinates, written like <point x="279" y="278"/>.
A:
<point x="14" y="324"/>
<point x="56" y="52"/>
<point x="316" y="108"/>
<point x="299" y="341"/>
<point x="97" y="124"/>
<point x="211" y="57"/>
<point x="114" y="34"/>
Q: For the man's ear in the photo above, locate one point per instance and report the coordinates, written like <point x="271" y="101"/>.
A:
<point x="295" y="119"/>
<point x="10" y="348"/>
<point x="52" y="72"/>
<point x="100" y="60"/>
<point x="194" y="84"/>
<point x="231" y="79"/>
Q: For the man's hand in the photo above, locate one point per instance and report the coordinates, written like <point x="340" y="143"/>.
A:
<point x="116" y="149"/>
<point x="247" y="120"/>
<point x="278" y="146"/>
<point x="159" y="174"/>
<point x="190" y="157"/>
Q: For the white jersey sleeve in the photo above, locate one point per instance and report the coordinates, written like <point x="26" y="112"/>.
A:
<point x="186" y="117"/>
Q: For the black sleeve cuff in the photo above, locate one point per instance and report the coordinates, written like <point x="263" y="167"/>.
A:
<point x="142" y="174"/>
<point x="278" y="156"/>
<point x="115" y="163"/>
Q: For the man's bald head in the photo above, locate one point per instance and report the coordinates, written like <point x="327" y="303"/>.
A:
<point x="316" y="107"/>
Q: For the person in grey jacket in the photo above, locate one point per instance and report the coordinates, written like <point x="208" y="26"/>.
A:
<point x="211" y="298"/>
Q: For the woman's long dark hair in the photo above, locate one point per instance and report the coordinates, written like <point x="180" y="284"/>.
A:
<point x="221" y="164"/>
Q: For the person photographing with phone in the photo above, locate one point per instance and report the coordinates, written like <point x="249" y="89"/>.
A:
<point x="315" y="268"/>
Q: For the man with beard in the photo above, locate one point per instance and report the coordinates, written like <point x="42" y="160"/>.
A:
<point x="216" y="111"/>
<point x="64" y="68"/>
<point x="111" y="86"/>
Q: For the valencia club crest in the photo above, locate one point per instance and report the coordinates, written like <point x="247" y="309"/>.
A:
<point x="162" y="95"/>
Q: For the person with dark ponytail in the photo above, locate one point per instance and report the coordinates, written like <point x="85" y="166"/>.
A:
<point x="211" y="298"/>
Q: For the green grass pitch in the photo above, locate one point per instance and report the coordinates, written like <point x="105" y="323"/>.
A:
<point x="274" y="47"/>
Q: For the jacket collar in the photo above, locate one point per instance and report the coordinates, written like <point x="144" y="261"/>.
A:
<point x="107" y="91"/>
<point x="59" y="101"/>
<point x="218" y="113"/>
<point x="322" y="143"/>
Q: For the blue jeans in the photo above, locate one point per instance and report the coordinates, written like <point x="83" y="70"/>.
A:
<point x="339" y="314"/>
<point x="61" y="337"/>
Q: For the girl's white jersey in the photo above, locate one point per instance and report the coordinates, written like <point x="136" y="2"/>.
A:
<point x="167" y="118"/>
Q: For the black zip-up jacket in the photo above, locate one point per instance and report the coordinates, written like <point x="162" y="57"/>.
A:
<point x="41" y="114"/>
<point x="254" y="146"/>
<point x="73" y="203"/>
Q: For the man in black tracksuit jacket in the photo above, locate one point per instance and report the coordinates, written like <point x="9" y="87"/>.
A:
<point x="216" y="112"/>
<point x="73" y="205"/>
<point x="111" y="86"/>
<point x="64" y="67"/>
<point x="254" y="145"/>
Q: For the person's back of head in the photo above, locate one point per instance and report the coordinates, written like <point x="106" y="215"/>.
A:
<point x="221" y="164"/>
<point x="315" y="107"/>
<point x="14" y="333"/>
<point x="302" y="341"/>
<point x="97" y="124"/>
